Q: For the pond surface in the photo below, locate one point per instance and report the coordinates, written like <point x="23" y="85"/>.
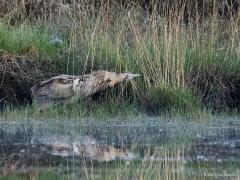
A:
<point x="138" y="148"/>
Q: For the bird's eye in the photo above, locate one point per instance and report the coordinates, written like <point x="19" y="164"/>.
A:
<point x="108" y="80"/>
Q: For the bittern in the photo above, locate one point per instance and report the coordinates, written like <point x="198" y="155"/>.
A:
<point x="70" y="87"/>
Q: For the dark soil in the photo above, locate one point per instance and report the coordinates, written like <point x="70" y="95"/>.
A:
<point x="18" y="74"/>
<point x="218" y="90"/>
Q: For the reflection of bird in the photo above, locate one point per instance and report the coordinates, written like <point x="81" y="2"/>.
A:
<point x="102" y="152"/>
<point x="66" y="87"/>
<point x="85" y="146"/>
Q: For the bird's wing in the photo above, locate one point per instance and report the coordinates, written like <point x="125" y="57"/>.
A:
<point x="55" y="87"/>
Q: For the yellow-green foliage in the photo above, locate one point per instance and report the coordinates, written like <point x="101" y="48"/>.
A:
<point x="165" y="50"/>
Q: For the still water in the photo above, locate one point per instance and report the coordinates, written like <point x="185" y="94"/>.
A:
<point x="147" y="148"/>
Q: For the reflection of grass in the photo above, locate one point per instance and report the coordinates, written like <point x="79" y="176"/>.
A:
<point x="213" y="170"/>
<point x="41" y="175"/>
<point x="170" y="165"/>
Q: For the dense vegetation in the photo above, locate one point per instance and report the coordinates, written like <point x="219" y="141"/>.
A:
<point x="188" y="53"/>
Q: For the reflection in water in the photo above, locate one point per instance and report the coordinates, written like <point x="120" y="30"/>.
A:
<point x="85" y="146"/>
<point x="223" y="145"/>
<point x="27" y="147"/>
<point x="101" y="152"/>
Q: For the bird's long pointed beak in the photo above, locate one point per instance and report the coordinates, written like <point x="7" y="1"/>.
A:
<point x="130" y="75"/>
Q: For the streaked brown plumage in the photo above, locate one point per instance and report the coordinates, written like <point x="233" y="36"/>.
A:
<point x="67" y="87"/>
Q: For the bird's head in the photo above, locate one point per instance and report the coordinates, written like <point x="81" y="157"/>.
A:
<point x="116" y="78"/>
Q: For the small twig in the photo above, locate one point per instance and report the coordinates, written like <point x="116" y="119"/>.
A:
<point x="3" y="76"/>
<point x="2" y="99"/>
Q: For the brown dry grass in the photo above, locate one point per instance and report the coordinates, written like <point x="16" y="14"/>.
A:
<point x="172" y="53"/>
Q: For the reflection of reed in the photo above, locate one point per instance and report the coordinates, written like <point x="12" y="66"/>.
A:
<point x="10" y="165"/>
